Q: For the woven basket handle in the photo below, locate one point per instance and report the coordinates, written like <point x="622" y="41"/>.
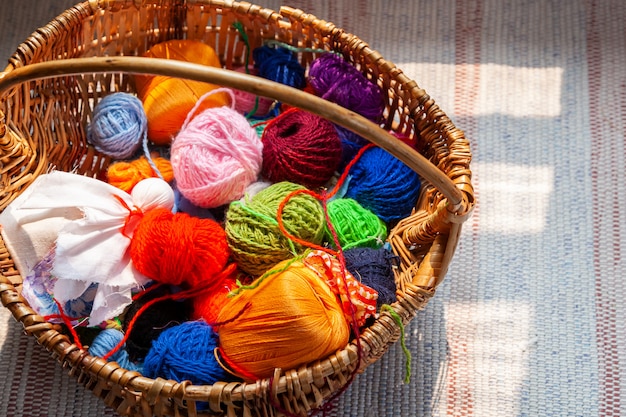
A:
<point x="256" y="85"/>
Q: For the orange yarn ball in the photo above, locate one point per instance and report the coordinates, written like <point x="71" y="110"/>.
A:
<point x="126" y="174"/>
<point x="179" y="249"/>
<point x="290" y="319"/>
<point x="168" y="100"/>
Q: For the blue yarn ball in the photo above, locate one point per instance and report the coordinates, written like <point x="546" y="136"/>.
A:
<point x="118" y="125"/>
<point x="374" y="268"/>
<point x="280" y="65"/>
<point x="106" y="340"/>
<point x="186" y="353"/>
<point x="383" y="184"/>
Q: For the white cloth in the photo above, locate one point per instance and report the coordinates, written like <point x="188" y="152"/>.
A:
<point x="90" y="223"/>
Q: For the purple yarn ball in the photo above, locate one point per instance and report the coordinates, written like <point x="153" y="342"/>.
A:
<point x="336" y="80"/>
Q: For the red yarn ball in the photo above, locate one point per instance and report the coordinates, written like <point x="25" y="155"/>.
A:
<point x="300" y="147"/>
<point x="179" y="249"/>
<point x="207" y="306"/>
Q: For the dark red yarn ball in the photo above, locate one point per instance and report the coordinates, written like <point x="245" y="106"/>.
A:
<point x="300" y="147"/>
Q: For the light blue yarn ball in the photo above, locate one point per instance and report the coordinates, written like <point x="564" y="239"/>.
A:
<point x="106" y="340"/>
<point x="118" y="126"/>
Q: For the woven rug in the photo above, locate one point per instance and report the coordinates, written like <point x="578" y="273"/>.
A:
<point x="530" y="319"/>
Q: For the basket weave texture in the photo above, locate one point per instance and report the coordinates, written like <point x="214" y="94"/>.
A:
<point x="42" y="127"/>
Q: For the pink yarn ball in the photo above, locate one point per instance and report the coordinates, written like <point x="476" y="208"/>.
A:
<point x="215" y="157"/>
<point x="245" y="102"/>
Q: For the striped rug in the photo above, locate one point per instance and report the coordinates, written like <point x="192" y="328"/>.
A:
<point x="530" y="320"/>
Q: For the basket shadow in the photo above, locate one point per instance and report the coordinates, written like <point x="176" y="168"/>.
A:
<point x="33" y="384"/>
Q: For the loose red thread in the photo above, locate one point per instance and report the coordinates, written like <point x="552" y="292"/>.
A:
<point x="135" y="211"/>
<point x="178" y="296"/>
<point x="68" y="323"/>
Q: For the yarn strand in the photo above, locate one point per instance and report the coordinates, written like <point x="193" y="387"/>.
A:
<point x="338" y="253"/>
<point x="407" y="353"/>
<point x="324" y="197"/>
<point x="274" y="43"/>
<point x="346" y="172"/>
<point x="246" y="41"/>
<point x="68" y="323"/>
<point x="342" y="262"/>
<point x="222" y="360"/>
<point x="259" y="280"/>
<point x="234" y="369"/>
<point x="283" y="229"/>
<point x="147" y="290"/>
<point x="135" y="211"/>
<point x="148" y="155"/>
<point x="321" y="197"/>
<point x="195" y="108"/>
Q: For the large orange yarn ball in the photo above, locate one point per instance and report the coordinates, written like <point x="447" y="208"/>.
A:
<point x="168" y="100"/>
<point x="291" y="318"/>
<point x="179" y="249"/>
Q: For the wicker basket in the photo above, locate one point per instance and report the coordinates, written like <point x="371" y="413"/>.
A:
<point x="47" y="94"/>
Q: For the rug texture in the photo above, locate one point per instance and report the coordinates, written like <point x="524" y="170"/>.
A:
<point x="530" y="319"/>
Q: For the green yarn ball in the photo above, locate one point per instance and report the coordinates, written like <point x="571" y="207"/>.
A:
<point x="256" y="241"/>
<point x="355" y="226"/>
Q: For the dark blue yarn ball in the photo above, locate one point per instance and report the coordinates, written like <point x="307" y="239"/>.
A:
<point x="186" y="353"/>
<point x="374" y="268"/>
<point x="383" y="184"/>
<point x="280" y="65"/>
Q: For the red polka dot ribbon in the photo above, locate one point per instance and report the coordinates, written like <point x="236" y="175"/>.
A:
<point x="357" y="295"/>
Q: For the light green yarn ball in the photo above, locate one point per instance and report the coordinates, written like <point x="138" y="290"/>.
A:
<point x="355" y="226"/>
<point x="256" y="241"/>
